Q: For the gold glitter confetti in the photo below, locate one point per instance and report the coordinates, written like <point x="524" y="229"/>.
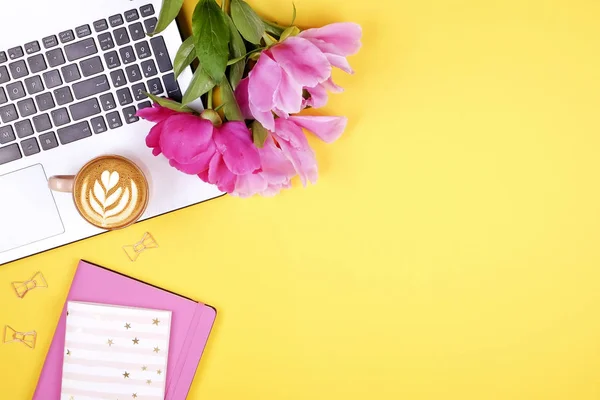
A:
<point x="126" y="375"/>
<point x="68" y="352"/>
<point x="110" y="342"/>
<point x="156" y="349"/>
<point x="144" y="368"/>
<point x="135" y="341"/>
<point x="134" y="395"/>
<point x="155" y="321"/>
<point x="149" y="381"/>
<point x="127" y="326"/>
<point x="159" y="372"/>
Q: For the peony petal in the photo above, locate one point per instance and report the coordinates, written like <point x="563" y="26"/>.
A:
<point x="241" y="95"/>
<point x="199" y="164"/>
<point x="294" y="145"/>
<point x="156" y="113"/>
<point x="220" y="175"/>
<point x="339" y="62"/>
<point x="330" y="85"/>
<point x="328" y="129"/>
<point x="341" y="38"/>
<point x="318" y="96"/>
<point x="264" y="80"/>
<point x="153" y="138"/>
<point x="275" y="166"/>
<point x="185" y="137"/>
<point x="234" y="142"/>
<point x="288" y="97"/>
<point x="266" y="118"/>
<point x="249" y="185"/>
<point x="302" y="60"/>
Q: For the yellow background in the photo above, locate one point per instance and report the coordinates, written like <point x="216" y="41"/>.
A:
<point x="449" y="251"/>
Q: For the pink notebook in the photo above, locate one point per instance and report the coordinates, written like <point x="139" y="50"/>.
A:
<point x="190" y="326"/>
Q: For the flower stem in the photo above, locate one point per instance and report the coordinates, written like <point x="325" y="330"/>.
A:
<point x="210" y="99"/>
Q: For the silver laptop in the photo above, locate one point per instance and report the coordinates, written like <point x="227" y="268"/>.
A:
<point x="72" y="75"/>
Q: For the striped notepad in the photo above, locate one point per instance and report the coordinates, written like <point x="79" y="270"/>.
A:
<point x="115" y="353"/>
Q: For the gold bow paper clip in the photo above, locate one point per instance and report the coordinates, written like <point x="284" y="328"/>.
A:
<point x="27" y="338"/>
<point x="134" y="251"/>
<point x="36" y="281"/>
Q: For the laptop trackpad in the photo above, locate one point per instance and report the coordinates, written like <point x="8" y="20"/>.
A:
<point x="28" y="212"/>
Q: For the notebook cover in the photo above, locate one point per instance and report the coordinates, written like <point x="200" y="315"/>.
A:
<point x="190" y="326"/>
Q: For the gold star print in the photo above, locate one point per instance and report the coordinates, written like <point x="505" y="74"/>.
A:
<point x="71" y="398"/>
<point x="135" y="341"/>
<point x="144" y="368"/>
<point x="159" y="372"/>
<point x="126" y="375"/>
<point x="134" y="395"/>
<point x="156" y="349"/>
<point x="127" y="326"/>
<point x="68" y="352"/>
<point x="155" y="321"/>
<point x="149" y="381"/>
<point x="110" y="342"/>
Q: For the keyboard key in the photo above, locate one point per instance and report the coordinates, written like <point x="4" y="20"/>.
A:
<point x="83" y="31"/>
<point x="114" y="120"/>
<point x="73" y="133"/>
<point x="106" y="41"/>
<point x="66" y="36"/>
<point x="18" y="69"/>
<point x="147" y="10"/>
<point x="84" y="109"/>
<point x="55" y="57"/>
<point x="145" y="104"/>
<point x="150" y="25"/>
<point x="155" y="86"/>
<point x="6" y="134"/>
<point x="32" y="47"/>
<point x="172" y="87"/>
<point x="124" y="96"/>
<point x="4" y="77"/>
<point x="15" y="52"/>
<point x="15" y="91"/>
<point x="50" y="41"/>
<point x="91" y="66"/>
<point x="121" y="36"/>
<point x="9" y="153"/>
<point x="108" y="102"/>
<point x="81" y="49"/>
<point x="161" y="54"/>
<point x="30" y="147"/>
<point x="63" y="96"/>
<point x="112" y="59"/>
<point x="132" y="15"/>
<point x="127" y="55"/>
<point x="24" y="128"/>
<point x="116" y="20"/>
<point x="100" y="25"/>
<point x="3" y="57"/>
<point x="143" y="50"/>
<point x="37" y="63"/>
<point x="70" y="73"/>
<point x="137" y="31"/>
<point x="133" y="73"/>
<point x="90" y="87"/>
<point x="42" y="123"/>
<point x="129" y="115"/>
<point x="34" y="85"/>
<point x="26" y="107"/>
<point x="60" y="117"/>
<point x="45" y="101"/>
<point x="8" y="113"/>
<point x="98" y="125"/>
<point x="48" y="141"/>
<point x="139" y="91"/>
<point x="118" y="78"/>
<point x="149" y="68"/>
<point x="3" y="98"/>
<point x="52" y="79"/>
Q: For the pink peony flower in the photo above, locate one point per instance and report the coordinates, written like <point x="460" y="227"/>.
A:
<point x="286" y="153"/>
<point x="277" y="82"/>
<point x="218" y="155"/>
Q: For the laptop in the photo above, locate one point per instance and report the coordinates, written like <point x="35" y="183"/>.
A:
<point x="72" y="75"/>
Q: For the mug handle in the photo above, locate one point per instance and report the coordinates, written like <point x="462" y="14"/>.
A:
<point x="62" y="183"/>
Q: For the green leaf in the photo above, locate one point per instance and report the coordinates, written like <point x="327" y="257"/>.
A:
<point x="231" y="109"/>
<point x="259" y="134"/>
<point x="170" y="104"/>
<point x="200" y="84"/>
<point x="294" y="14"/>
<point x="212" y="38"/>
<point x="168" y="12"/>
<point x="273" y="29"/>
<point x="185" y="55"/>
<point x="247" y="21"/>
<point x="237" y="49"/>
<point x="291" y="31"/>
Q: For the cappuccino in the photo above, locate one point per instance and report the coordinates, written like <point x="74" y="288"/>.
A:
<point x="110" y="192"/>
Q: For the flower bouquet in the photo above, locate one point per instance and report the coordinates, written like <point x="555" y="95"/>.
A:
<point x="254" y="77"/>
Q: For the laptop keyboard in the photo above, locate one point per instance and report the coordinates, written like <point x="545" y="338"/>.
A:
<point x="57" y="90"/>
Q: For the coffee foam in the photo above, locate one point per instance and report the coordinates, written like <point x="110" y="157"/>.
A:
<point x="111" y="192"/>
